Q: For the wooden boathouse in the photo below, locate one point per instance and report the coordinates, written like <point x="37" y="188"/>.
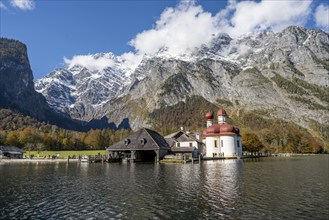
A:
<point x="143" y="145"/>
<point x="9" y="152"/>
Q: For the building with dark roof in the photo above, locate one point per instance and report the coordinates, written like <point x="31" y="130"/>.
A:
<point x="143" y="145"/>
<point x="184" y="143"/>
<point x="11" y="152"/>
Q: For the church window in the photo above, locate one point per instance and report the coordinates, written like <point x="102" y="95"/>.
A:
<point x="221" y="143"/>
<point x="215" y="143"/>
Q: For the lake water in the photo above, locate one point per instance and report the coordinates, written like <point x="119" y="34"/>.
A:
<point x="268" y="188"/>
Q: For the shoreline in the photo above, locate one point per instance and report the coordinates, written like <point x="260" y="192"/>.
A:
<point x="38" y="160"/>
<point x="65" y="160"/>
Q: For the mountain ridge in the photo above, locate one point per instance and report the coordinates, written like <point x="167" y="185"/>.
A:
<point x="285" y="74"/>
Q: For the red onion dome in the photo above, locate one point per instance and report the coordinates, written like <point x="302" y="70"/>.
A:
<point x="209" y="115"/>
<point x="221" y="112"/>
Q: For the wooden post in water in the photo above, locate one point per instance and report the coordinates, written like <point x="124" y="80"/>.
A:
<point x="199" y="158"/>
<point x="157" y="156"/>
<point x="132" y="156"/>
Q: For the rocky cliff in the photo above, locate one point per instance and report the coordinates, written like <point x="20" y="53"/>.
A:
<point x="16" y="80"/>
<point x="17" y="87"/>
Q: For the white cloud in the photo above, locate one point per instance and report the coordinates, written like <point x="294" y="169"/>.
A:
<point x="178" y="29"/>
<point x="91" y="62"/>
<point x="251" y="16"/>
<point x="188" y="26"/>
<point x="131" y="60"/>
<point x="3" y="6"/>
<point x="181" y="29"/>
<point x="23" y="4"/>
<point x="322" y="17"/>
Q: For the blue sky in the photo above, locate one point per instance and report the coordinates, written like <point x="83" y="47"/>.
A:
<point x="53" y="30"/>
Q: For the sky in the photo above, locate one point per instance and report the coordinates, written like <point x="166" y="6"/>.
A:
<point x="66" y="32"/>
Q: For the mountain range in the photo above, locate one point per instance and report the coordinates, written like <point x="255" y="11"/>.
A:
<point x="272" y="76"/>
<point x="284" y="73"/>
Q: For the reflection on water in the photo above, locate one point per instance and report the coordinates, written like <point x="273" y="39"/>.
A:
<point x="220" y="187"/>
<point x="228" y="189"/>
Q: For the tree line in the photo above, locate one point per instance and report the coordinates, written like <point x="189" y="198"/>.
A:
<point x="259" y="134"/>
<point x="31" y="138"/>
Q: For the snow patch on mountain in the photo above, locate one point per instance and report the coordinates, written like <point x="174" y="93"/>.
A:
<point x="87" y="82"/>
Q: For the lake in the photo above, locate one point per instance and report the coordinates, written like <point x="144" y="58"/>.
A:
<point x="267" y="188"/>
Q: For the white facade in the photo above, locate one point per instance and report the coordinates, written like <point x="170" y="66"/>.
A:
<point x="230" y="146"/>
<point x="194" y="144"/>
<point x="187" y="144"/>
<point x="183" y="142"/>
<point x="223" y="146"/>
<point x="212" y="147"/>
<point x="222" y="139"/>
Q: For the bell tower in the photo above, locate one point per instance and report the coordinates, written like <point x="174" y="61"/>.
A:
<point x="222" y="116"/>
<point x="210" y="117"/>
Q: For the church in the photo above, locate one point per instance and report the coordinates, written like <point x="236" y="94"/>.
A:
<point x="221" y="139"/>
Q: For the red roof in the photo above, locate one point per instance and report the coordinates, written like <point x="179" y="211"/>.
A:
<point x="226" y="128"/>
<point x="220" y="129"/>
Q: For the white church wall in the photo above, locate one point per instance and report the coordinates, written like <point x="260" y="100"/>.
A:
<point x="228" y="145"/>
<point x="211" y="148"/>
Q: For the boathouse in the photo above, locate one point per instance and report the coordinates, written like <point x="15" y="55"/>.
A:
<point x="143" y="145"/>
<point x="10" y="152"/>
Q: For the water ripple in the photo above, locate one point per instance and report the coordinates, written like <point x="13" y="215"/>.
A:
<point x="271" y="189"/>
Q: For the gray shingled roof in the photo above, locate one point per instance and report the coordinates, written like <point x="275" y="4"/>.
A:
<point x="10" y="149"/>
<point x="143" y="139"/>
<point x="180" y="136"/>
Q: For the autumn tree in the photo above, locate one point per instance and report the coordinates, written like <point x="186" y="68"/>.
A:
<point x="12" y="139"/>
<point x="251" y="143"/>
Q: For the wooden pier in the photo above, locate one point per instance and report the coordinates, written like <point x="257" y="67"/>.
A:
<point x="95" y="159"/>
